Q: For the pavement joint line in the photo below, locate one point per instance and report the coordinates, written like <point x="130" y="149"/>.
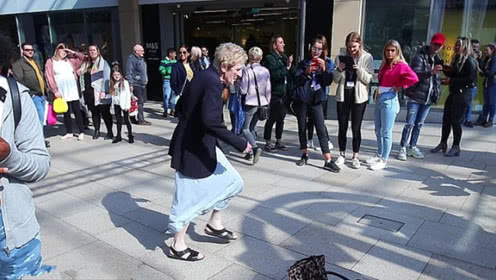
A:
<point x="366" y="253"/>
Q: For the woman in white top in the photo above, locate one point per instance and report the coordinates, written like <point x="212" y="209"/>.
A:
<point x="121" y="98"/>
<point x="61" y="76"/>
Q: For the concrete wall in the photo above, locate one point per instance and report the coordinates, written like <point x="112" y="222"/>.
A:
<point x="130" y="26"/>
<point x="347" y="18"/>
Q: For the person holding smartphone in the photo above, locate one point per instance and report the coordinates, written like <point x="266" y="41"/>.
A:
<point x="353" y="78"/>
<point x="427" y="65"/>
<point x="311" y="79"/>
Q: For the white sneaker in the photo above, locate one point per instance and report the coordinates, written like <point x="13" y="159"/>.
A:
<point x="372" y="160"/>
<point x="311" y="145"/>
<point x="355" y="163"/>
<point x="415" y="153"/>
<point x="331" y="146"/>
<point x="402" y="154"/>
<point x="339" y="161"/>
<point x="378" y="165"/>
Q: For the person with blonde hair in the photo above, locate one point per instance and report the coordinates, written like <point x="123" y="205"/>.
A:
<point x="462" y="78"/>
<point x="61" y="74"/>
<point x="394" y="75"/>
<point x="205" y="180"/>
<point x="195" y="59"/>
<point x="255" y="86"/>
<point x="352" y="95"/>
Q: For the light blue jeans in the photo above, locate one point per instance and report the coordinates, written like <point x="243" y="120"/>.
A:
<point x="169" y="96"/>
<point x="468" y="115"/>
<point x="39" y="103"/>
<point x="386" y="109"/>
<point x="415" y="117"/>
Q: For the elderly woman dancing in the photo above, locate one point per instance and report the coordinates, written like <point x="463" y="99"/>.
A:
<point x="205" y="180"/>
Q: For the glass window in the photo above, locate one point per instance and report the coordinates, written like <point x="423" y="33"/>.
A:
<point x="9" y="28"/>
<point x="100" y="31"/>
<point x="405" y="21"/>
<point x="68" y="28"/>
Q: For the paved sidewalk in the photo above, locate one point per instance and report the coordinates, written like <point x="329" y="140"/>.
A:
<point x="104" y="208"/>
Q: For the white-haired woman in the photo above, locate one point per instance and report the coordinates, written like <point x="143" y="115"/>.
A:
<point x="462" y="79"/>
<point x="205" y="180"/>
<point x="255" y="85"/>
<point x="394" y="74"/>
<point x="195" y="59"/>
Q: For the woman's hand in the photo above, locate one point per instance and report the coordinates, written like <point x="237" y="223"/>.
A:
<point x="69" y="51"/>
<point x="341" y="66"/>
<point x="322" y="63"/>
<point x="396" y="89"/>
<point x="102" y="95"/>
<point x="355" y="67"/>
<point x="57" y="94"/>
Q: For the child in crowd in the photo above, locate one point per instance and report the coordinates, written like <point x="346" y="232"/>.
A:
<point x="121" y="99"/>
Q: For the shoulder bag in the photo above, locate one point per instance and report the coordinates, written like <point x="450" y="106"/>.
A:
<point x="311" y="268"/>
<point x="262" y="111"/>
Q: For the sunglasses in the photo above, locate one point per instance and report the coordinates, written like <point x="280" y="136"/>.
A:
<point x="183" y="52"/>
<point x="29" y="50"/>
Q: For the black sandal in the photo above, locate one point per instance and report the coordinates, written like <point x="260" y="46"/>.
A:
<point x="220" y="233"/>
<point x="179" y="255"/>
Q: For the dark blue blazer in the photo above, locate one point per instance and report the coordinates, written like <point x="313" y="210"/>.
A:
<point x="200" y="125"/>
<point x="178" y="76"/>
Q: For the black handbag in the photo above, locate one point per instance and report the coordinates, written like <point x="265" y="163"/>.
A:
<point x="262" y="111"/>
<point x="311" y="268"/>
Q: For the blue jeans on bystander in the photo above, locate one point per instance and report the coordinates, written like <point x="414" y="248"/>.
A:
<point x="386" y="109"/>
<point x="415" y="117"/>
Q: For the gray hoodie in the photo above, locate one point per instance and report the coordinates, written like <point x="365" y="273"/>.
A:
<point x="28" y="161"/>
<point x="136" y="73"/>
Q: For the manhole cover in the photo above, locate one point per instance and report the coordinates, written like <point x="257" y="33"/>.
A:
<point x="382" y="223"/>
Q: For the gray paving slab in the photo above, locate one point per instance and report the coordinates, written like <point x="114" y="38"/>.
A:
<point x="134" y="239"/>
<point x="470" y="245"/>
<point x="407" y="230"/>
<point x="341" y="247"/>
<point x="445" y="268"/>
<point x="390" y="261"/>
<point x="151" y="215"/>
<point x="239" y="272"/>
<point x="96" y="220"/>
<point x="260" y="256"/>
<point x="181" y="270"/>
<point x="398" y="206"/>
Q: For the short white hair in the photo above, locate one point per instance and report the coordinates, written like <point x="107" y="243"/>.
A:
<point x="255" y="54"/>
<point x="229" y="54"/>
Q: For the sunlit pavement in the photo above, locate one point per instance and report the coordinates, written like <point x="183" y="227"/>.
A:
<point x="104" y="208"/>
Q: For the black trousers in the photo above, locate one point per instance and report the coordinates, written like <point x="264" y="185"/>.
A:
<point x="121" y="115"/>
<point x="357" y="111"/>
<point x="98" y="112"/>
<point x="311" y="125"/>
<point x="139" y="92"/>
<point x="303" y="110"/>
<point x="454" y="114"/>
<point x="277" y="113"/>
<point x="74" y="107"/>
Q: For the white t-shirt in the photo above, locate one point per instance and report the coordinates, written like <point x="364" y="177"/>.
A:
<point x="65" y="79"/>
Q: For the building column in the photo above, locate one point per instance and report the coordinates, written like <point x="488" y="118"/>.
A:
<point x="347" y="17"/>
<point x="130" y="26"/>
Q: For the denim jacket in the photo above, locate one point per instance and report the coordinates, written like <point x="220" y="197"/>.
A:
<point x="28" y="161"/>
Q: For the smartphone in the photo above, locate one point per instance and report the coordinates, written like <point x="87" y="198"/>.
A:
<point x="315" y="62"/>
<point x="348" y="61"/>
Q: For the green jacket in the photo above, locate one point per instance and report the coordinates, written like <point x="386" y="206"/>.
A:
<point x="166" y="68"/>
<point x="281" y="79"/>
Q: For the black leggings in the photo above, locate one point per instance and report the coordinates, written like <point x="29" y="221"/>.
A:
<point x="454" y="114"/>
<point x="118" y="115"/>
<point x="357" y="112"/>
<point x="97" y="112"/>
<point x="74" y="107"/>
<point x="303" y="110"/>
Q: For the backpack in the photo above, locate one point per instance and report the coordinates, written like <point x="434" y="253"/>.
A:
<point x="16" y="99"/>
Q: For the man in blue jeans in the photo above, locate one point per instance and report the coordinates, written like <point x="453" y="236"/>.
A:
<point x="165" y="70"/>
<point x="427" y="65"/>
<point x="27" y="71"/>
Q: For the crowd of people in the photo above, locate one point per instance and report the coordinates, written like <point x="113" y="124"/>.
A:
<point x="196" y="89"/>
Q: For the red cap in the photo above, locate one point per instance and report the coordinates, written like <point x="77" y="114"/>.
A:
<point x="438" y="38"/>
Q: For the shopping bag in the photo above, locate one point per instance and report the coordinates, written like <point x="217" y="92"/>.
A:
<point x="51" y="116"/>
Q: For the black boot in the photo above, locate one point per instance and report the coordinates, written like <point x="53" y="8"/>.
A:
<point x="331" y="166"/>
<point x="117" y="139"/>
<point x="441" y="147"/>
<point x="303" y="160"/>
<point x="96" y="135"/>
<point x="131" y="139"/>
<point x="453" y="152"/>
<point x="109" y="136"/>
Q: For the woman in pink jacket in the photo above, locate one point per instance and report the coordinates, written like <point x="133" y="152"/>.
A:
<point x="61" y="75"/>
<point x="394" y="75"/>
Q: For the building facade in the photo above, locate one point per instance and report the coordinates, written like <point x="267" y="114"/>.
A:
<point x="116" y="25"/>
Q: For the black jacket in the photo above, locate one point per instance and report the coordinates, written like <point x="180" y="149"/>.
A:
<point x="463" y="77"/>
<point x="304" y="92"/>
<point x="422" y="64"/>
<point x="200" y="124"/>
<point x="178" y="76"/>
